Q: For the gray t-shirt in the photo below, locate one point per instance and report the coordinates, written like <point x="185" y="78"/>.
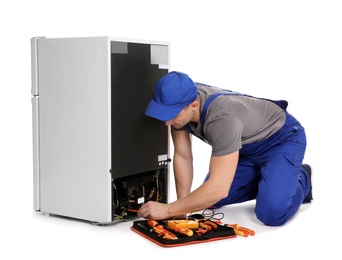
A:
<point x="234" y="120"/>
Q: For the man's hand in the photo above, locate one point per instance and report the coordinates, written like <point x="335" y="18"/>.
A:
<point x="154" y="210"/>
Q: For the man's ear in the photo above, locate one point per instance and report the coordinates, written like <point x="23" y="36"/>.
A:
<point x="194" y="105"/>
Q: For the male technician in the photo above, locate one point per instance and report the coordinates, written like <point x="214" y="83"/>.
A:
<point x="257" y="151"/>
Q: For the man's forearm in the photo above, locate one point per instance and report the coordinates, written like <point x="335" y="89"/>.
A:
<point x="204" y="196"/>
<point x="222" y="171"/>
<point x="183" y="173"/>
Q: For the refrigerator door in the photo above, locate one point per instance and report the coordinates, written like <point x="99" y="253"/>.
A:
<point x="35" y="123"/>
<point x="35" y="136"/>
<point x="74" y="127"/>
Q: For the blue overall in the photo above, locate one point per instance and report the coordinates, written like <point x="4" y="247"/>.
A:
<point x="270" y="171"/>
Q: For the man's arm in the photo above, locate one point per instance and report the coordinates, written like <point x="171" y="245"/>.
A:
<point x="182" y="162"/>
<point x="222" y="170"/>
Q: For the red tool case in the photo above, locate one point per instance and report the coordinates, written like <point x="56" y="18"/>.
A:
<point x="221" y="232"/>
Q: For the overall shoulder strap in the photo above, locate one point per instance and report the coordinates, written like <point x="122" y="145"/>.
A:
<point x="210" y="99"/>
<point x="208" y="102"/>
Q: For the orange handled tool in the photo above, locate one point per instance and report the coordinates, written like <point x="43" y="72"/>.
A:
<point x="160" y="230"/>
<point x="181" y="223"/>
<point x="241" y="231"/>
<point x="184" y="231"/>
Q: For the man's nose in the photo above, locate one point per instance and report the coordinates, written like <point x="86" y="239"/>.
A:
<point x="168" y="123"/>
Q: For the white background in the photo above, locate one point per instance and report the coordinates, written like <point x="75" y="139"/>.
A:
<point x="275" y="49"/>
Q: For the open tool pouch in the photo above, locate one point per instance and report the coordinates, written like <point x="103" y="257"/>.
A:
<point x="158" y="232"/>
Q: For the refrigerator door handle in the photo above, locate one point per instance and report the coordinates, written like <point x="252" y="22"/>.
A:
<point x="36" y="168"/>
<point x="34" y="66"/>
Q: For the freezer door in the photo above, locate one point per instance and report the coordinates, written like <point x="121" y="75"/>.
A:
<point x="34" y="66"/>
<point x="74" y="127"/>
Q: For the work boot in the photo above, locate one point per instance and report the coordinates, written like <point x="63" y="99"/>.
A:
<point x="308" y="197"/>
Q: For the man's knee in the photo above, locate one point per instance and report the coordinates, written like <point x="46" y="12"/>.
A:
<point x="271" y="215"/>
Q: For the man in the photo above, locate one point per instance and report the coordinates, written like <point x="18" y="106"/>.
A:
<point x="257" y="151"/>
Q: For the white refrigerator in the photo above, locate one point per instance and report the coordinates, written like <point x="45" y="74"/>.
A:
<point x="96" y="156"/>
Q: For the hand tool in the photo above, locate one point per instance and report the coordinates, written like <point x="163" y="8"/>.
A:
<point x="241" y="231"/>
<point x="181" y="223"/>
<point x="160" y="230"/>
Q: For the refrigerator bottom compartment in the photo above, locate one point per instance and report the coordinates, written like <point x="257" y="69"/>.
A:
<point x="131" y="192"/>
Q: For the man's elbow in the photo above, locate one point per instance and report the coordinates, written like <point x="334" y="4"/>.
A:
<point x="221" y="193"/>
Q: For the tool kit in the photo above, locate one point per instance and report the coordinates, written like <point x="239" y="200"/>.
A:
<point x="167" y="237"/>
<point x="171" y="233"/>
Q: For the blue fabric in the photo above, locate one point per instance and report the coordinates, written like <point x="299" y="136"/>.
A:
<point x="271" y="172"/>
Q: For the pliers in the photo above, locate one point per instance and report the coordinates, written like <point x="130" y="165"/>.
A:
<point x="241" y="231"/>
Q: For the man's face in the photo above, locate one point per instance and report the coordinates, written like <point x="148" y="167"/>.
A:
<point x="181" y="119"/>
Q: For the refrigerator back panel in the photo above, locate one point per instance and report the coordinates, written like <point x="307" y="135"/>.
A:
<point x="139" y="143"/>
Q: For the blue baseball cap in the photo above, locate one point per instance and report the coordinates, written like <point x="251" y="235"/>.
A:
<point x="173" y="92"/>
